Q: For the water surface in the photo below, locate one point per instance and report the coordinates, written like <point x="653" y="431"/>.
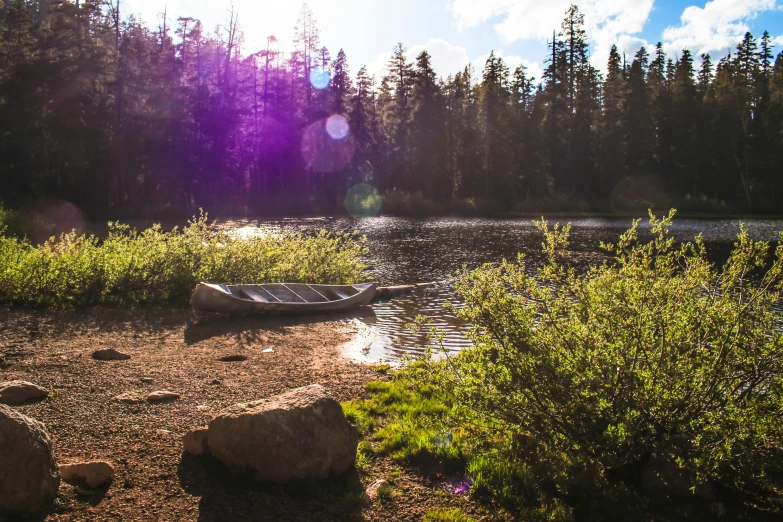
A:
<point x="403" y="251"/>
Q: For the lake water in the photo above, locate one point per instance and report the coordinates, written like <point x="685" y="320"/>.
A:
<point x="403" y="251"/>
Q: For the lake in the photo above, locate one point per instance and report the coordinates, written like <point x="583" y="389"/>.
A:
<point x="404" y="250"/>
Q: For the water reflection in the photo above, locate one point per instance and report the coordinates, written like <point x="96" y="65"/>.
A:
<point x="404" y="251"/>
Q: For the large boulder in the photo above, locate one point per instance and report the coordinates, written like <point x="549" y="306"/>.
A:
<point x="301" y="434"/>
<point x="28" y="472"/>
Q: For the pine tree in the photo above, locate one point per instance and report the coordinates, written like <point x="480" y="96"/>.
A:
<point x="614" y="113"/>
<point x="340" y="84"/>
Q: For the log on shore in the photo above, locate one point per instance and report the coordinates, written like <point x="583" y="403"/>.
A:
<point x="387" y="292"/>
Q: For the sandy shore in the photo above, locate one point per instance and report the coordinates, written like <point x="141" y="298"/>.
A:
<point x="154" y="480"/>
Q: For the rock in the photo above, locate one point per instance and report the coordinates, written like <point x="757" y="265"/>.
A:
<point x="233" y="358"/>
<point x="215" y="382"/>
<point x="110" y="354"/>
<point x="268" y="350"/>
<point x="128" y="398"/>
<point x="373" y="490"/>
<point x="28" y="472"/>
<point x="146" y="380"/>
<point x="94" y="472"/>
<point x="196" y="442"/>
<point x="301" y="434"/>
<point x="162" y="395"/>
<point x="19" y="392"/>
<point x="163" y="433"/>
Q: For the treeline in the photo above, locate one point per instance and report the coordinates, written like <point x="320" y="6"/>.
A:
<point x="120" y="118"/>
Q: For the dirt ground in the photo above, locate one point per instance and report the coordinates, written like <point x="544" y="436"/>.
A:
<point x="154" y="480"/>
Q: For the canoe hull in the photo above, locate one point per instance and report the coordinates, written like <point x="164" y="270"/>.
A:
<point x="229" y="299"/>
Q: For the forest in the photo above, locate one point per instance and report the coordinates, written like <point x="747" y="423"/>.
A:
<point x="121" y="119"/>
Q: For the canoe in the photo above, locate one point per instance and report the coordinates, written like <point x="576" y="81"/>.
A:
<point x="279" y="298"/>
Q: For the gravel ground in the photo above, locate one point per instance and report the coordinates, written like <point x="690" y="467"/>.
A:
<point x="153" y="479"/>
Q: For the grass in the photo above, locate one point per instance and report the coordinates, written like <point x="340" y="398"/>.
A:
<point x="159" y="267"/>
<point x="447" y="515"/>
<point x="406" y="421"/>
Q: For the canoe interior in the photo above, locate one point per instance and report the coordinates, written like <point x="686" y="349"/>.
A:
<point x="291" y="293"/>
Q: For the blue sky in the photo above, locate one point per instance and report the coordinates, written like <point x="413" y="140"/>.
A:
<point x="458" y="32"/>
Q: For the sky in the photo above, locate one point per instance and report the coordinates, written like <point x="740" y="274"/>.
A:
<point x="459" y="32"/>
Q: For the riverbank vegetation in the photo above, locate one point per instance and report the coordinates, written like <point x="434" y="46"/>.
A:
<point x="124" y="120"/>
<point x="651" y="384"/>
<point x="154" y="266"/>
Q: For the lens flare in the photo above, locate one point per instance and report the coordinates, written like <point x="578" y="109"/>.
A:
<point x="319" y="77"/>
<point x="443" y="439"/>
<point x="50" y="219"/>
<point x="363" y="200"/>
<point x="458" y="485"/>
<point x="337" y="127"/>
<point x="324" y="154"/>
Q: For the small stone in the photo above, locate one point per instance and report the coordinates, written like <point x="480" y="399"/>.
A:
<point x="146" y="380"/>
<point x="233" y="358"/>
<point x="162" y="395"/>
<point x="110" y="354"/>
<point x="19" y="392"/>
<point x="196" y="442"/>
<point x="373" y="490"/>
<point x="268" y="350"/>
<point x="164" y="433"/>
<point x="128" y="398"/>
<point x="94" y="472"/>
<point x="215" y="382"/>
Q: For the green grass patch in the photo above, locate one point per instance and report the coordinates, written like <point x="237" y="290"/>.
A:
<point x="447" y="515"/>
<point x="162" y="267"/>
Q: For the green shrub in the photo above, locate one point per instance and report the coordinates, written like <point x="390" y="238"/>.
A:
<point x="583" y="379"/>
<point x="157" y="267"/>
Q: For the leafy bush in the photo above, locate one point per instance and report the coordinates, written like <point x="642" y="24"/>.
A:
<point x="154" y="266"/>
<point x="581" y="384"/>
<point x="583" y="378"/>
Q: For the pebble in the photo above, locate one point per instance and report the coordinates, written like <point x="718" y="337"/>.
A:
<point x="233" y="358"/>
<point x="374" y="489"/>
<point x="110" y="354"/>
<point x="162" y="395"/>
<point x="146" y="380"/>
<point x="269" y="350"/>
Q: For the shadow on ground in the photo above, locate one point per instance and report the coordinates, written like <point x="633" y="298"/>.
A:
<point x="225" y="496"/>
<point x="205" y="328"/>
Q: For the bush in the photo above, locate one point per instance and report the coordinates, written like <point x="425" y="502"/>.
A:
<point x="157" y="267"/>
<point x="578" y="380"/>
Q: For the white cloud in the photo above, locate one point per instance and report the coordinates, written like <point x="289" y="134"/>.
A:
<point x="605" y="20"/>
<point x="777" y="40"/>
<point x="451" y="59"/>
<point x="718" y="26"/>
<point x="513" y="61"/>
<point x="446" y="58"/>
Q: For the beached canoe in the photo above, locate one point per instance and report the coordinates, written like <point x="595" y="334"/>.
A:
<point x="279" y="298"/>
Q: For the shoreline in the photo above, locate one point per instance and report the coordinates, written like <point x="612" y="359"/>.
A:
<point x="153" y="479"/>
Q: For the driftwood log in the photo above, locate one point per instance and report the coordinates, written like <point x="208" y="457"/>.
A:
<point x="387" y="292"/>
